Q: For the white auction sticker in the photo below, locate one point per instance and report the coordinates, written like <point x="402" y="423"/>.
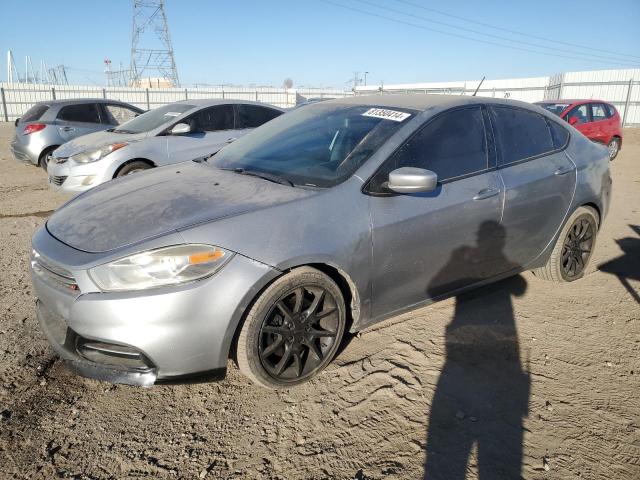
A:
<point x="386" y="114"/>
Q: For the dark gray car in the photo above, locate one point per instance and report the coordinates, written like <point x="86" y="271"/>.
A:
<point x="47" y="125"/>
<point x="327" y="219"/>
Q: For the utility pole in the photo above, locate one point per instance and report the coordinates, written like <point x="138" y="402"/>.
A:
<point x="365" y="78"/>
<point x="152" y="52"/>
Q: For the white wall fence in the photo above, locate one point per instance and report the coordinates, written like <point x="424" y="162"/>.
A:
<point x="17" y="98"/>
<point x="619" y="87"/>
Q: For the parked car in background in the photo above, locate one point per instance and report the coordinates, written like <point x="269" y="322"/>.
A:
<point x="597" y="120"/>
<point x="47" y="125"/>
<point x="169" y="134"/>
<point x="329" y="218"/>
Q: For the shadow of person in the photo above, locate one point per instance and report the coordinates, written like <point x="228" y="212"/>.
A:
<point x="482" y="393"/>
<point x="627" y="266"/>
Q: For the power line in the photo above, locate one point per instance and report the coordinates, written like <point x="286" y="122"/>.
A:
<point x="515" y="32"/>
<point x="456" y="35"/>
<point x="499" y="37"/>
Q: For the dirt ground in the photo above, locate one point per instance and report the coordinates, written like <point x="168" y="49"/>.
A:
<point x="553" y="386"/>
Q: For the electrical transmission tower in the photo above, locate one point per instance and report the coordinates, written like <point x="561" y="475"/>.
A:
<point x="151" y="50"/>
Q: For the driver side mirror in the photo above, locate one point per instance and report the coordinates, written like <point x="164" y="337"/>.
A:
<point x="573" y="120"/>
<point x="180" y="129"/>
<point x="412" y="180"/>
<point x="16" y="122"/>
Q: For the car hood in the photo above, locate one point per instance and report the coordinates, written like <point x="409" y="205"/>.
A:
<point x="139" y="207"/>
<point x="94" y="141"/>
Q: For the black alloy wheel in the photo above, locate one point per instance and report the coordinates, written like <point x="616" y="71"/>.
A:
<point x="577" y="247"/>
<point x="292" y="330"/>
<point x="298" y="333"/>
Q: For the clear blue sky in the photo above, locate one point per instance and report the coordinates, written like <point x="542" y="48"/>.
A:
<point x="321" y="44"/>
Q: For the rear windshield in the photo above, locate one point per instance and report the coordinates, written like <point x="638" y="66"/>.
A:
<point x="556" y="108"/>
<point x="154" y="118"/>
<point x="35" y="113"/>
<point x="318" y="145"/>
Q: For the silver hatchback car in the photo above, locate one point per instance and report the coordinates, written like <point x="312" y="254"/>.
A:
<point x="47" y="125"/>
<point x="172" y="133"/>
<point x="325" y="220"/>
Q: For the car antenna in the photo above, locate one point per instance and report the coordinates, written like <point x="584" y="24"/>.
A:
<point x="478" y="88"/>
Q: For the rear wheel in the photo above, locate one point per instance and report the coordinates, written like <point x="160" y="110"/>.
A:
<point x="42" y="160"/>
<point x="133" y="167"/>
<point x="614" y="147"/>
<point x="293" y="329"/>
<point x="573" y="249"/>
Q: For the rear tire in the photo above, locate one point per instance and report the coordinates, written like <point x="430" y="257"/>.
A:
<point x="613" y="147"/>
<point x="293" y="330"/>
<point x="573" y="249"/>
<point x="42" y="159"/>
<point x="133" y="167"/>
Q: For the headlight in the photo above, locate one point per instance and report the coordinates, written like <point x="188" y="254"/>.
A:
<point x="164" y="266"/>
<point x="95" y="155"/>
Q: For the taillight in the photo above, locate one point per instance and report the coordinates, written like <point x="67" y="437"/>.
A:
<point x="33" y="128"/>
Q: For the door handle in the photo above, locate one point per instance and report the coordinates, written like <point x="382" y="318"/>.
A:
<point x="68" y="129"/>
<point x="486" y="193"/>
<point x="232" y="139"/>
<point x="563" y="170"/>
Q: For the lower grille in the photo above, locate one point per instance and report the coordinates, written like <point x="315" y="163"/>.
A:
<point x="57" y="180"/>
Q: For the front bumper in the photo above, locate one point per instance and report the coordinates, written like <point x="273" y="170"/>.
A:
<point x="71" y="177"/>
<point x="164" y="333"/>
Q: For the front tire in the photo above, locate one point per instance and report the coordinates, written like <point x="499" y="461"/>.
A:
<point x="573" y="249"/>
<point x="132" y="167"/>
<point x="293" y="330"/>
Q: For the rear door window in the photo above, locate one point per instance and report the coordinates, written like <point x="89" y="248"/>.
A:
<point x="118" y="114"/>
<point x="213" y="119"/>
<point x="452" y="145"/>
<point x="85" y="112"/>
<point x="520" y="134"/>
<point x="35" y="113"/>
<point x="598" y="112"/>
<point x="252" y="116"/>
<point x="580" y="113"/>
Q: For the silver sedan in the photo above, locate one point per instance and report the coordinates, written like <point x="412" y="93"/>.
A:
<point x="169" y="134"/>
<point x="328" y="219"/>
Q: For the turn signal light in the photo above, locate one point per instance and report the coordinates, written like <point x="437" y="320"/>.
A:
<point x="33" y="128"/>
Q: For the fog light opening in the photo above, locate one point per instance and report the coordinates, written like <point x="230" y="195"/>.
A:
<point x="88" y="180"/>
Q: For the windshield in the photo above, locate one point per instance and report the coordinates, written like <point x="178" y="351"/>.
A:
<point x="153" y="118"/>
<point x="556" y="108"/>
<point x="319" y="145"/>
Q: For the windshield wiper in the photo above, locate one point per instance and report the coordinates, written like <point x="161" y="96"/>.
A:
<point x="266" y="176"/>
<point x="117" y="130"/>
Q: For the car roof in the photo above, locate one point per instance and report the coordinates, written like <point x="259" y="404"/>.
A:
<point x="574" y="101"/>
<point x="209" y="102"/>
<point x="420" y="101"/>
<point x="73" y="101"/>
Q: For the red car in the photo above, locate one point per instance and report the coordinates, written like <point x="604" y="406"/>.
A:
<point x="598" y="121"/>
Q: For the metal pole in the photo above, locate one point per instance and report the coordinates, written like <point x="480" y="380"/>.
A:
<point x="53" y="93"/>
<point x="148" y="105"/>
<point x="4" y="105"/>
<point x="104" y="93"/>
<point x="626" y="104"/>
<point x="186" y="96"/>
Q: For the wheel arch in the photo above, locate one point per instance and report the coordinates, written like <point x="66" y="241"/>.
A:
<point x="123" y="164"/>
<point x="344" y="282"/>
<point x="46" y="150"/>
<point x="595" y="207"/>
